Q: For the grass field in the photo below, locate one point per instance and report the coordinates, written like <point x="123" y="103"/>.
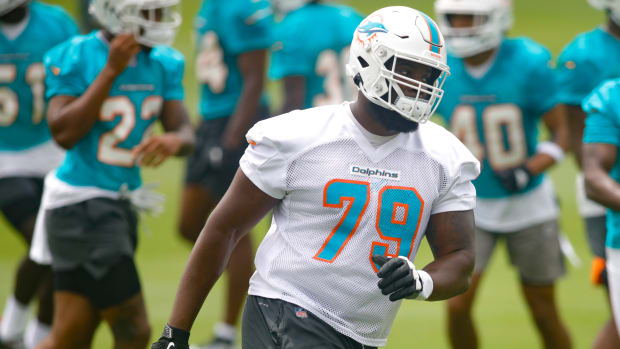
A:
<point x="501" y="314"/>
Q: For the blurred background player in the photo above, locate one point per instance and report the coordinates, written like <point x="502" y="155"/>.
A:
<point x="602" y="173"/>
<point x="498" y="91"/>
<point x="27" y="152"/>
<point x="233" y="40"/>
<point x="106" y="90"/>
<point x="324" y="279"/>
<point x="589" y="59"/>
<point x="312" y="71"/>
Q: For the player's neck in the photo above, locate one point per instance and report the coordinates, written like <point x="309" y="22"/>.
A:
<point x="362" y="114"/>
<point x="480" y="58"/>
<point x="613" y="28"/>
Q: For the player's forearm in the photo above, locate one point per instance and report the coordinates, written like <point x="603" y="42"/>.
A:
<point x="206" y="263"/>
<point x="602" y="188"/>
<point x="186" y="135"/>
<point x="294" y="93"/>
<point x="451" y="274"/>
<point x="71" y="122"/>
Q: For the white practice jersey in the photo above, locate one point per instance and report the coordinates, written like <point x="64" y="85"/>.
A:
<point x="344" y="200"/>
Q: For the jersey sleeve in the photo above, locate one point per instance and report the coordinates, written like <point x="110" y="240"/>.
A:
<point x="63" y="70"/>
<point x="576" y="75"/>
<point x="173" y="63"/>
<point x="263" y="162"/>
<point x="542" y="86"/>
<point x="251" y="25"/>
<point x="602" y="120"/>
<point x="459" y="193"/>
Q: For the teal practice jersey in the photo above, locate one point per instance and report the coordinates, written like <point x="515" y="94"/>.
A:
<point x="313" y="42"/>
<point x="587" y="61"/>
<point x="225" y="30"/>
<point x="497" y="116"/>
<point x="22" y="76"/>
<point x="603" y="126"/>
<point x="103" y="158"/>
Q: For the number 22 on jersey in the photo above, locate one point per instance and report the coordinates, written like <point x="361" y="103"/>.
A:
<point x="398" y="218"/>
<point x="109" y="151"/>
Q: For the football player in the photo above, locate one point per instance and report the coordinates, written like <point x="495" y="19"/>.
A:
<point x="312" y="71"/>
<point x="354" y="189"/>
<point x="106" y="90"/>
<point x="27" y="152"/>
<point x="233" y="40"/>
<point x="589" y="59"/>
<point x="600" y="154"/>
<point x="498" y="92"/>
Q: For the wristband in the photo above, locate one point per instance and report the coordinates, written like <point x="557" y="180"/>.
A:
<point x="427" y="285"/>
<point x="552" y="149"/>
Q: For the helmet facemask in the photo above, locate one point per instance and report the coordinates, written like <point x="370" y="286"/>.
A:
<point x="489" y="22"/>
<point x="612" y="7"/>
<point x="153" y="22"/>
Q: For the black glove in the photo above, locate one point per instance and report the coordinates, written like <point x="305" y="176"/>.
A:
<point x="172" y="338"/>
<point x="515" y="179"/>
<point x="399" y="277"/>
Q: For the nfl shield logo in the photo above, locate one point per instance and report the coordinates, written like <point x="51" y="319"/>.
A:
<point x="301" y="313"/>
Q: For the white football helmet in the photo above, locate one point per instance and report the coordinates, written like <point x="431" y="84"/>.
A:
<point x="153" y="22"/>
<point x="286" y="6"/>
<point x="384" y="40"/>
<point x="613" y="6"/>
<point x="7" y="6"/>
<point x="492" y="18"/>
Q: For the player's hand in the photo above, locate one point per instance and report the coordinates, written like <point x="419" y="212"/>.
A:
<point x="122" y="49"/>
<point x="515" y="179"/>
<point x="399" y="278"/>
<point x="172" y="338"/>
<point x="154" y="150"/>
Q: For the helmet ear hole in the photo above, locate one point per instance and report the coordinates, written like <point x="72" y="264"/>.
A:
<point x="357" y="79"/>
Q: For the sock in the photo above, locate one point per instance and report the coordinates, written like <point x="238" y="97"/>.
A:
<point x="225" y="331"/>
<point x="35" y="333"/>
<point x="14" y="319"/>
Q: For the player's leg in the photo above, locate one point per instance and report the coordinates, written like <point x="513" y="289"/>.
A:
<point x="274" y="323"/>
<point x="607" y="337"/>
<point x="20" y="203"/>
<point x="461" y="326"/>
<point x="92" y="245"/>
<point x="75" y="322"/>
<point x="536" y="252"/>
<point x="613" y="269"/>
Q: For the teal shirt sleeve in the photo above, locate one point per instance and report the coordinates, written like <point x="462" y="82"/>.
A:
<point x="576" y="74"/>
<point x="542" y="86"/>
<point x="70" y="28"/>
<point x="251" y="25"/>
<point x="173" y="63"/>
<point x="602" y="119"/>
<point x="63" y="70"/>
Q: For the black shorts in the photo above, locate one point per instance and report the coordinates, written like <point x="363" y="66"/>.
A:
<point x="94" y="234"/>
<point x="273" y="323"/>
<point x="20" y="199"/>
<point x="210" y="165"/>
<point x="92" y="244"/>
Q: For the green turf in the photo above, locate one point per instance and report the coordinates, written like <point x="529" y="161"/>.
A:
<point x="501" y="313"/>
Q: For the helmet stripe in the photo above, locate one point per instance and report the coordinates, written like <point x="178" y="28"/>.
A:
<point x="435" y="38"/>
